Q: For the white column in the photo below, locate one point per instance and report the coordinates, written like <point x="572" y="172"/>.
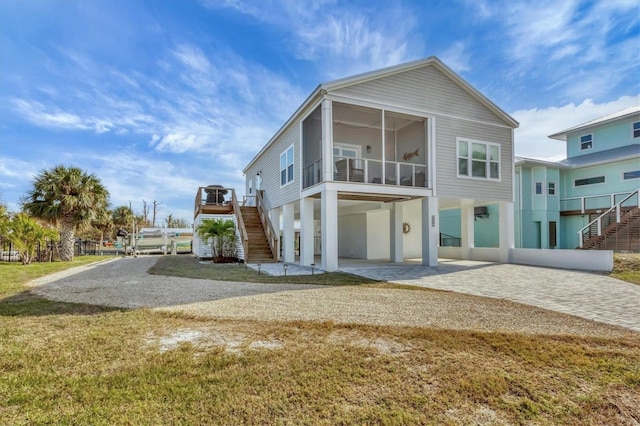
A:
<point x="288" y="233"/>
<point x="306" y="231"/>
<point x="467" y="229"/>
<point x="274" y="216"/>
<point x="506" y="230"/>
<point x="395" y="225"/>
<point x="329" y="220"/>
<point x="430" y="231"/>
<point x="327" y="141"/>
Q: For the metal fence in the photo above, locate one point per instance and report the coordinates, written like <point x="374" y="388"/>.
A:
<point x="48" y="251"/>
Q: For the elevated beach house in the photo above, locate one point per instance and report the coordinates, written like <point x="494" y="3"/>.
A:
<point x="364" y="165"/>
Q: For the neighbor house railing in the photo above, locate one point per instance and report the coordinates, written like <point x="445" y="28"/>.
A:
<point x="607" y="218"/>
<point x="269" y="230"/>
<point x="592" y="202"/>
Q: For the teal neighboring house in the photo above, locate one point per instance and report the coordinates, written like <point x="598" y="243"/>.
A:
<point x="588" y="200"/>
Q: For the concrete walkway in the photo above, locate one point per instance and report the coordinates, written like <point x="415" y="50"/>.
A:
<point x="587" y="295"/>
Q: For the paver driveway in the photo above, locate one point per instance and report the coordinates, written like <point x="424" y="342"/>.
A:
<point x="587" y="295"/>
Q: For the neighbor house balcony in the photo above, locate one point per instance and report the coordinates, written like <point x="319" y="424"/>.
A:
<point x="368" y="146"/>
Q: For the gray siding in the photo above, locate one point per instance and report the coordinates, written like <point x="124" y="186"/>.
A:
<point x="448" y="184"/>
<point x="269" y="165"/>
<point x="426" y="89"/>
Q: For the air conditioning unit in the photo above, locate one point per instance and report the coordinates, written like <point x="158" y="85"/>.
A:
<point x="480" y="212"/>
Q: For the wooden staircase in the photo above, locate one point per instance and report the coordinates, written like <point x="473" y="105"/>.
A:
<point x="618" y="236"/>
<point x="259" y="250"/>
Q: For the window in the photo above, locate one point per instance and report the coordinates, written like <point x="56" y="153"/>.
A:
<point x="588" y="181"/>
<point x="286" y="166"/>
<point x="631" y="175"/>
<point x="250" y="186"/>
<point x="586" y="142"/>
<point x="551" y="188"/>
<point x="478" y="159"/>
<point x="636" y="129"/>
<point x="538" y="188"/>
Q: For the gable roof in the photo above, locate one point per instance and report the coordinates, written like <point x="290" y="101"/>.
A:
<point x="384" y="72"/>
<point x="562" y="136"/>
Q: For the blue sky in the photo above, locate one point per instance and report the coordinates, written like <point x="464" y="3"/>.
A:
<point x="157" y="98"/>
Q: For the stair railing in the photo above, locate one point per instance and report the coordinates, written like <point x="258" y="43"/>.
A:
<point x="269" y="230"/>
<point x="585" y="233"/>
<point x="244" y="238"/>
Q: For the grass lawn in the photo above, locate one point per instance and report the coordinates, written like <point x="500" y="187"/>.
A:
<point x="626" y="267"/>
<point x="78" y="364"/>
<point x="189" y="267"/>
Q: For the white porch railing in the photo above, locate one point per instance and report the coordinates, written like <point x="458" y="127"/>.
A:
<point x="590" y="202"/>
<point x="607" y="218"/>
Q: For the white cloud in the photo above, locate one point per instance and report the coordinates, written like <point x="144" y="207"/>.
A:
<point x="536" y="125"/>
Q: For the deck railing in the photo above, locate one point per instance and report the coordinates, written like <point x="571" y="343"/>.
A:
<point x="592" y="202"/>
<point x="244" y="237"/>
<point x="611" y="216"/>
<point x="269" y="230"/>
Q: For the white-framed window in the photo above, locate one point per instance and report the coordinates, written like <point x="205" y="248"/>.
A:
<point x="635" y="130"/>
<point x="586" y="142"/>
<point x="588" y="181"/>
<point x="635" y="174"/>
<point x="286" y="166"/>
<point x="538" y="188"/>
<point x="478" y="160"/>
<point x="250" y="186"/>
<point x="551" y="188"/>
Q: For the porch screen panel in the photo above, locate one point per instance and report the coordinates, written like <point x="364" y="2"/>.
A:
<point x="312" y="148"/>
<point x="358" y="129"/>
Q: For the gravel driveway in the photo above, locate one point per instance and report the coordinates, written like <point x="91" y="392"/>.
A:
<point x="125" y="283"/>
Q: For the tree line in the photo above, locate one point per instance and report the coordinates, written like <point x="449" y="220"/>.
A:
<point x="65" y="203"/>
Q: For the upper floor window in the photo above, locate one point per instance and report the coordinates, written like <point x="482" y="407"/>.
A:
<point x="636" y="129"/>
<point x="586" y="142"/>
<point x="538" y="188"/>
<point x="588" y="181"/>
<point x="631" y="175"/>
<point x="478" y="159"/>
<point x="551" y="188"/>
<point x="286" y="166"/>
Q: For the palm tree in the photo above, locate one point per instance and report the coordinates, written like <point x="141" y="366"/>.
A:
<point x="68" y="197"/>
<point x="25" y="234"/>
<point x="122" y="217"/>
<point x="219" y="231"/>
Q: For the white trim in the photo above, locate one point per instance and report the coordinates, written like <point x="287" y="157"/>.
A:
<point x="488" y="160"/>
<point x="591" y="142"/>
<point x="590" y="184"/>
<point x="622" y="179"/>
<point x="632" y="129"/>
<point x="293" y="161"/>
<point x="535" y="188"/>
<point x="365" y="102"/>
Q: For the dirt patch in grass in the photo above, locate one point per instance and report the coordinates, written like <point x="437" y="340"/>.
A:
<point x="626" y="267"/>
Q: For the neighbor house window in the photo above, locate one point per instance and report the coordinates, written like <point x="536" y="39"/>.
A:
<point x="478" y="159"/>
<point x="636" y="129"/>
<point x="286" y="166"/>
<point x="588" y="181"/>
<point x="551" y="188"/>
<point x="538" y="188"/>
<point x="586" y="142"/>
<point x="631" y="175"/>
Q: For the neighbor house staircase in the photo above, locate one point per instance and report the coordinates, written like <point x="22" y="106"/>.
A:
<point x="616" y="229"/>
